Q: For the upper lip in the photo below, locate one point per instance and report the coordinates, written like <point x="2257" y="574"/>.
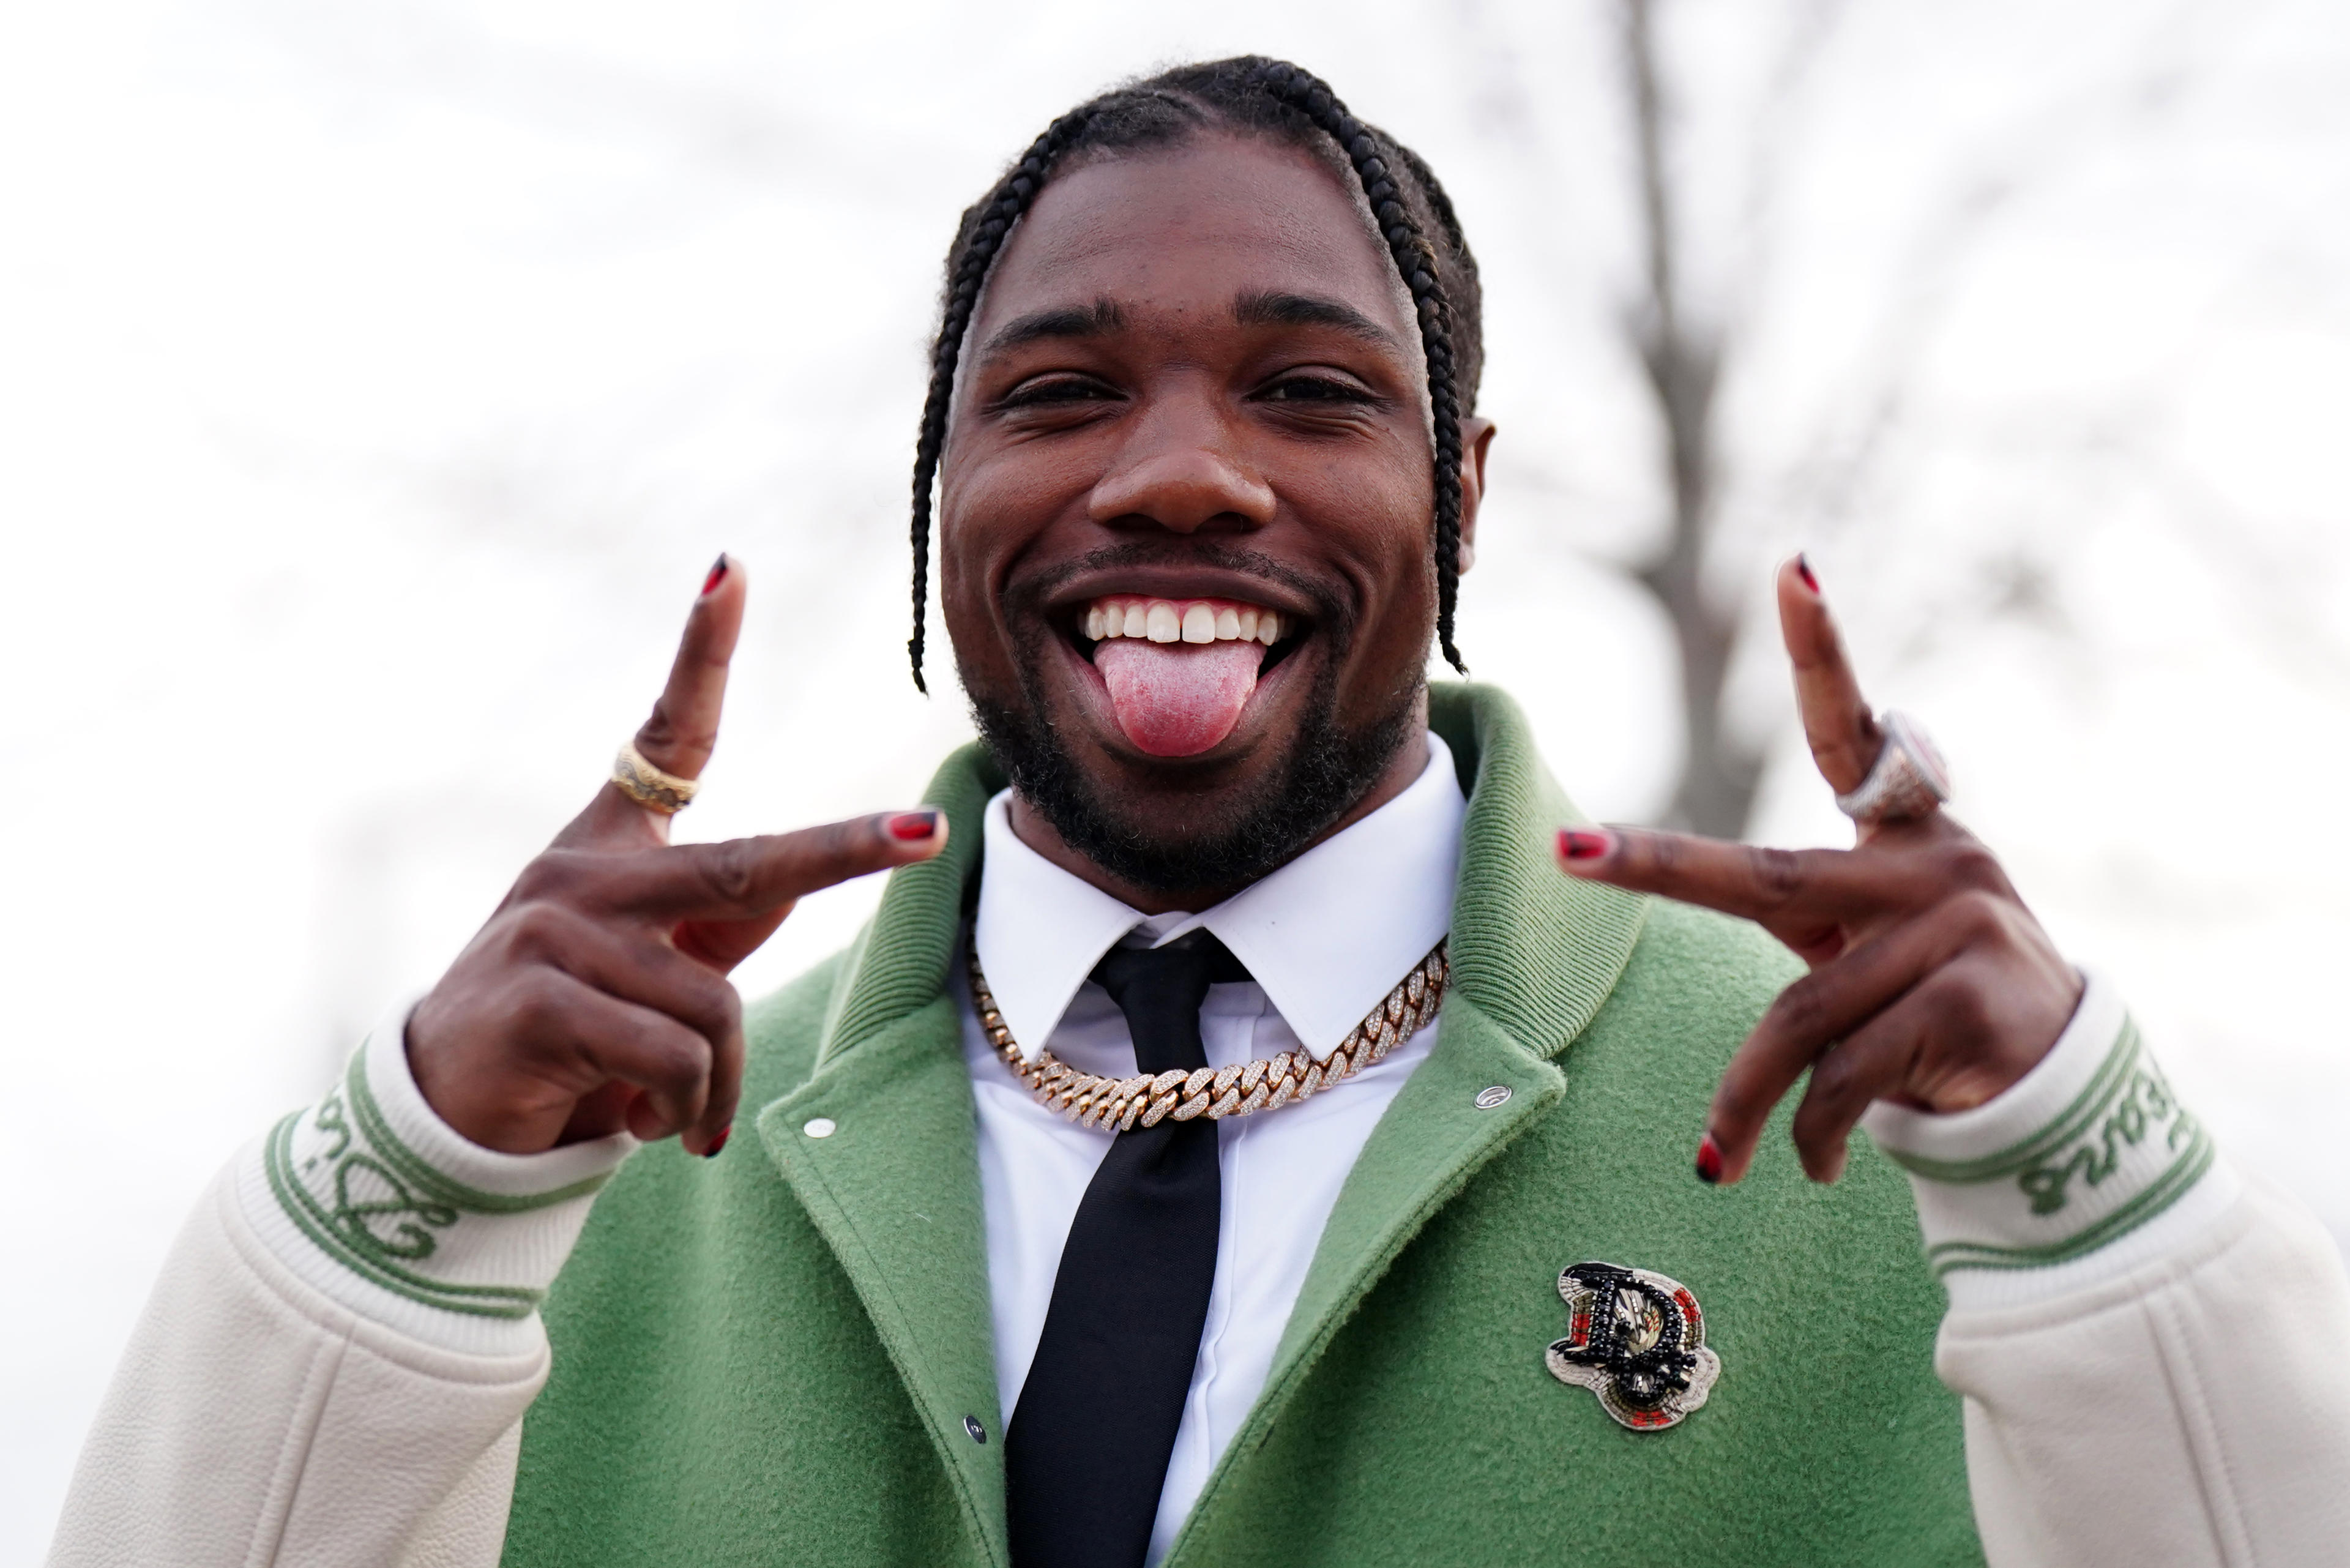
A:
<point x="1181" y="582"/>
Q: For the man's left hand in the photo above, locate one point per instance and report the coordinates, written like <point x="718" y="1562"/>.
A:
<point x="1931" y="984"/>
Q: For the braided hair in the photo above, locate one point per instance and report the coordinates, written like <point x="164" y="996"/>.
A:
<point x="1251" y="96"/>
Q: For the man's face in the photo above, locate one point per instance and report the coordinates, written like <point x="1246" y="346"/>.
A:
<point x="1192" y="404"/>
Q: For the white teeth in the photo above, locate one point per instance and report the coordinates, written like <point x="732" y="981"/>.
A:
<point x="1162" y="620"/>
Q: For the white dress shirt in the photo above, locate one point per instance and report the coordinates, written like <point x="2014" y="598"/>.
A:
<point x="1326" y="938"/>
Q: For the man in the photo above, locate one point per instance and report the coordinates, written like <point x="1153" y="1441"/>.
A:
<point x="1258" y="1124"/>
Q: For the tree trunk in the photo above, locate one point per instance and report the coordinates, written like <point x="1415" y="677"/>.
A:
<point x="1683" y="362"/>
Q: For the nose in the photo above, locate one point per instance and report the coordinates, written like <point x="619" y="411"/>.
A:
<point x="1177" y="471"/>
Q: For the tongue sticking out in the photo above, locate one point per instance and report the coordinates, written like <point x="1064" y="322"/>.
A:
<point x="1178" y="699"/>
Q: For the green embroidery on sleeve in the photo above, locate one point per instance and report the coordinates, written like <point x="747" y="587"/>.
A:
<point x="349" y="1232"/>
<point x="2145" y="1103"/>
<point x="356" y="1217"/>
<point x="2165" y="1189"/>
<point x="366" y="1199"/>
<point x="330" y="1119"/>
<point x="420" y="1174"/>
<point x="2125" y="1106"/>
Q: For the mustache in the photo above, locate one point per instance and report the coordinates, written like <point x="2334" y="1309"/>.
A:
<point x="1332" y="613"/>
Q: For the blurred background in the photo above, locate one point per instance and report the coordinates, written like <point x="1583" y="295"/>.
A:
<point x="377" y="381"/>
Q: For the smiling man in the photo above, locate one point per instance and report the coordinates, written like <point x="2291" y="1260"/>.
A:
<point x="1262" y="1123"/>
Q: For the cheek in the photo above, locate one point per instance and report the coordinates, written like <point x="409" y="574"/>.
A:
<point x="995" y="509"/>
<point x="1374" y="522"/>
<point x="992" y="514"/>
<point x="968" y="566"/>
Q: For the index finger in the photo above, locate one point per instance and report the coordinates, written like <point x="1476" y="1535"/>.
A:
<point x="684" y="729"/>
<point x="743" y="879"/>
<point x="1774" y="886"/>
<point x="1838" y="724"/>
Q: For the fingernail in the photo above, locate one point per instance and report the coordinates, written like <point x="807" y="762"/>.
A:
<point x="1709" y="1160"/>
<point x="1584" y="843"/>
<point x="1803" y="570"/>
<point x="717" y="576"/>
<point x="719" y="1142"/>
<point x="911" y="825"/>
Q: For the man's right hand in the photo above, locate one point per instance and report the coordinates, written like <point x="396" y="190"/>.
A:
<point x="597" y="998"/>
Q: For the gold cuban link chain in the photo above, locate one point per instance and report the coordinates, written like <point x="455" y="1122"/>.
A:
<point x="1243" y="1089"/>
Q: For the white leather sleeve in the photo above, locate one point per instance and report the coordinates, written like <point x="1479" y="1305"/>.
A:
<point x="2150" y="1347"/>
<point x="335" y="1363"/>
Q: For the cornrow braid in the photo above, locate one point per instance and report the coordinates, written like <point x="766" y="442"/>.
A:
<point x="1255" y="96"/>
<point x="1415" y="263"/>
<point x="984" y="231"/>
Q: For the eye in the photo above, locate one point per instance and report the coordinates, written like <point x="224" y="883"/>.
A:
<point x="1311" y="388"/>
<point x="1048" y="391"/>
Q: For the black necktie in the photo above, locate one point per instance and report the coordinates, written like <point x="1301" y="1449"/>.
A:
<point x="1086" y="1454"/>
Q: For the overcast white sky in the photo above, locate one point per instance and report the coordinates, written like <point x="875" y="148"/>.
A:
<point x="377" y="381"/>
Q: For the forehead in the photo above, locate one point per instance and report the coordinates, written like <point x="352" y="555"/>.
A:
<point x="1187" y="228"/>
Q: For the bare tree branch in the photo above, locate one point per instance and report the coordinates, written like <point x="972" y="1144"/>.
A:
<point x="1682" y="358"/>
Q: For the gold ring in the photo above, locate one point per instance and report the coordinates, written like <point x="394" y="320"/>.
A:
<point x="648" y="785"/>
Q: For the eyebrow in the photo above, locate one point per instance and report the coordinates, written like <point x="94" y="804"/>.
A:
<point x="1252" y="308"/>
<point x="1265" y="309"/>
<point x="1098" y="319"/>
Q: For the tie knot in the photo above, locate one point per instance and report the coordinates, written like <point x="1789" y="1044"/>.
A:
<point x="1159" y="990"/>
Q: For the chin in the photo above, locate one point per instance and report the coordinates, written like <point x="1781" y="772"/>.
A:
<point x="1215" y="816"/>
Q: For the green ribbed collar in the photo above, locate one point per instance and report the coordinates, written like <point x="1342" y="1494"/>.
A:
<point x="1537" y="951"/>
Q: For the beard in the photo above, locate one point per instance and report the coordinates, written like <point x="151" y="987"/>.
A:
<point x="1325" y="771"/>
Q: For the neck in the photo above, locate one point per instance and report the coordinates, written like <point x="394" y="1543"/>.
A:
<point x="1402" y="769"/>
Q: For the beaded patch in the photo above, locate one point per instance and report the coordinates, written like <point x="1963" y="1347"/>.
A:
<point x="1637" y="1340"/>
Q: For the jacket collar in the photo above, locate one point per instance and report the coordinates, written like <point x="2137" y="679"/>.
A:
<point x="1537" y="951"/>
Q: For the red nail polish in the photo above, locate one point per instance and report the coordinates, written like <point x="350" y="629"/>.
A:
<point x="911" y="825"/>
<point x="717" y="576"/>
<point x="1803" y="570"/>
<point x="719" y="1142"/>
<point x="1583" y="844"/>
<point x="1709" y="1160"/>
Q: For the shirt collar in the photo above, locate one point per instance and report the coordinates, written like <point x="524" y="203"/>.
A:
<point x="1327" y="936"/>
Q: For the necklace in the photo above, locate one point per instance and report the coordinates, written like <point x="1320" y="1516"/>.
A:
<point x="1262" y="1083"/>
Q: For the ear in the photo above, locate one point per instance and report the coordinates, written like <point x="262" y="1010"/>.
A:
<point x="1476" y="440"/>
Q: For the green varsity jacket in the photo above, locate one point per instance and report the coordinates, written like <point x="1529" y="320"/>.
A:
<point x="771" y="1359"/>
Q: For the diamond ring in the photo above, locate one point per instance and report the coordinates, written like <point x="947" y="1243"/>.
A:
<point x="1910" y="778"/>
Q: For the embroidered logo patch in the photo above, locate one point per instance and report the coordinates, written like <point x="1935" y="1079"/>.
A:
<point x="1637" y="1340"/>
